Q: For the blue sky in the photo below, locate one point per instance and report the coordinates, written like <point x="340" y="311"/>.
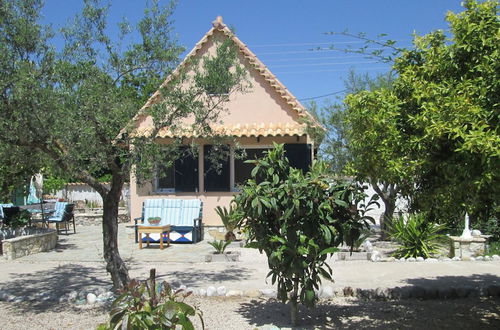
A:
<point x="283" y="32"/>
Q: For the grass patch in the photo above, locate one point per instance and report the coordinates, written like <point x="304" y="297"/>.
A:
<point x="494" y="248"/>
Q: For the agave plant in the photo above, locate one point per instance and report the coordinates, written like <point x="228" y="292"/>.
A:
<point x="220" y="246"/>
<point x="417" y="236"/>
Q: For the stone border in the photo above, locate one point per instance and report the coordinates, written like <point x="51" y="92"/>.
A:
<point x="21" y="246"/>
<point x="376" y="258"/>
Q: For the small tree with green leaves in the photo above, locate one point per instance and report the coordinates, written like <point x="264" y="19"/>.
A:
<point x="298" y="219"/>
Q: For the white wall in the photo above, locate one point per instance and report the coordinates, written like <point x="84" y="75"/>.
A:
<point x="83" y="192"/>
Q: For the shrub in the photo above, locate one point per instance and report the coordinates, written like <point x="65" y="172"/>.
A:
<point x="220" y="246"/>
<point x="145" y="305"/>
<point x="417" y="236"/>
<point x="298" y="219"/>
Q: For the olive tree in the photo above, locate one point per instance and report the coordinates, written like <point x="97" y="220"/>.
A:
<point x="298" y="219"/>
<point x="76" y="105"/>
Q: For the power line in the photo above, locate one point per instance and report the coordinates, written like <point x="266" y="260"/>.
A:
<point x="320" y="64"/>
<point x="316" y="58"/>
<point x="334" y="70"/>
<point x="320" y="96"/>
<point x="306" y="44"/>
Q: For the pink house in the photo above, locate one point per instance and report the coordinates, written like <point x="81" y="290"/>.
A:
<point x="264" y="114"/>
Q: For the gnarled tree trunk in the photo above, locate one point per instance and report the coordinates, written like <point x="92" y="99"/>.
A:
<point x="114" y="263"/>
<point x="388" y="194"/>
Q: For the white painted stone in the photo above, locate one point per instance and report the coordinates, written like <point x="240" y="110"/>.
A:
<point x="253" y="293"/>
<point x="183" y="287"/>
<point x="368" y="246"/>
<point x="327" y="292"/>
<point x="420" y="259"/>
<point x="91" y="298"/>
<point x="431" y="260"/>
<point x="479" y="258"/>
<point x="487" y="258"/>
<point x="202" y="292"/>
<point x="221" y="291"/>
<point x="234" y="293"/>
<point x="445" y="259"/>
<point x="402" y="260"/>
<point x="375" y="256"/>
<point x="495" y="257"/>
<point x="411" y="259"/>
<point x="268" y="292"/>
<point x="472" y="259"/>
<point x="476" y="233"/>
<point x="456" y="258"/>
<point x="211" y="291"/>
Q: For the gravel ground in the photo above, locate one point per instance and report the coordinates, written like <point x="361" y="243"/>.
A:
<point x="246" y="313"/>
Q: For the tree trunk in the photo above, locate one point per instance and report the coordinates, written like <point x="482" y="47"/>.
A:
<point x="114" y="263"/>
<point x="388" y="194"/>
<point x="294" y="307"/>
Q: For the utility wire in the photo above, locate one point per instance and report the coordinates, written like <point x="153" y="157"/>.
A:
<point x="320" y="64"/>
<point x="320" y="96"/>
<point x="333" y="70"/>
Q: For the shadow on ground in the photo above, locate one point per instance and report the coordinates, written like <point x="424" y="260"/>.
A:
<point x="54" y="282"/>
<point x="356" y="314"/>
<point x="234" y="273"/>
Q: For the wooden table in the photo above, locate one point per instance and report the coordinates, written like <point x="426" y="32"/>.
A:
<point x="154" y="230"/>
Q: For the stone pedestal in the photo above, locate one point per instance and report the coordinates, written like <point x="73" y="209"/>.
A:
<point x="466" y="248"/>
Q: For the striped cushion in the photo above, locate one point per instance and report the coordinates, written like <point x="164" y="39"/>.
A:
<point x="59" y="209"/>
<point x="190" y="210"/>
<point x="152" y="208"/>
<point x="171" y="212"/>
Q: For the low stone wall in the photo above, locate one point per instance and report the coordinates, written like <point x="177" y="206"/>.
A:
<point x="21" y="246"/>
<point x="95" y="219"/>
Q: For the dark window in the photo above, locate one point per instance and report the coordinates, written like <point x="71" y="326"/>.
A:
<point x="242" y="170"/>
<point x="216" y="162"/>
<point x="182" y="176"/>
<point x="299" y="156"/>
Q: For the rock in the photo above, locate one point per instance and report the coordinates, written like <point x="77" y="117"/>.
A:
<point x="472" y="259"/>
<point x="431" y="260"/>
<point x="3" y="296"/>
<point x="183" y="287"/>
<point x="327" y="292"/>
<point x="479" y="258"/>
<point x="221" y="291"/>
<point x="476" y="232"/>
<point x="375" y="256"/>
<point x="18" y="299"/>
<point x="382" y="293"/>
<point x="268" y="292"/>
<point x="411" y="259"/>
<point x="82" y="295"/>
<point x="72" y="296"/>
<point x="420" y="259"/>
<point x="402" y="259"/>
<point x="495" y="257"/>
<point x="348" y="291"/>
<point x="10" y="298"/>
<point x="106" y="295"/>
<point x="339" y="292"/>
<point x="99" y="291"/>
<point x="456" y="259"/>
<point x="234" y="293"/>
<point x="91" y="298"/>
<point x="389" y="259"/>
<point x="487" y="258"/>
<point x="253" y="293"/>
<point x="367" y="245"/>
<point x="445" y="259"/>
<point x="202" y="292"/>
<point x="62" y="299"/>
<point x="211" y="291"/>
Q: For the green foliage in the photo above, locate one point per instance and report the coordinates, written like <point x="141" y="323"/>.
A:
<point x="22" y="219"/>
<point x="220" y="246"/>
<point x="230" y="218"/>
<point x="82" y="99"/>
<point x="52" y="184"/>
<point x="417" y="235"/>
<point x="145" y="305"/>
<point x="298" y="220"/>
<point x="434" y="135"/>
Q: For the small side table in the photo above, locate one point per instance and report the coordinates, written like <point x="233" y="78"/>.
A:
<point x="154" y="230"/>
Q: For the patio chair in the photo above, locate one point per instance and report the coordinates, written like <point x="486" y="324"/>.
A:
<point x="63" y="217"/>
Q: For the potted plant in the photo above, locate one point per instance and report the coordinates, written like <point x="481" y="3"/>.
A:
<point x="230" y="219"/>
<point x="154" y="221"/>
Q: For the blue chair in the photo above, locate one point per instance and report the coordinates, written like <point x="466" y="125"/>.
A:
<point x="63" y="217"/>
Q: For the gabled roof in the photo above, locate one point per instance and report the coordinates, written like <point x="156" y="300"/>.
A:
<point x="240" y="129"/>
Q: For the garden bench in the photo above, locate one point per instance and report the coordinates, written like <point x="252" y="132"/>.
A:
<point x="184" y="216"/>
